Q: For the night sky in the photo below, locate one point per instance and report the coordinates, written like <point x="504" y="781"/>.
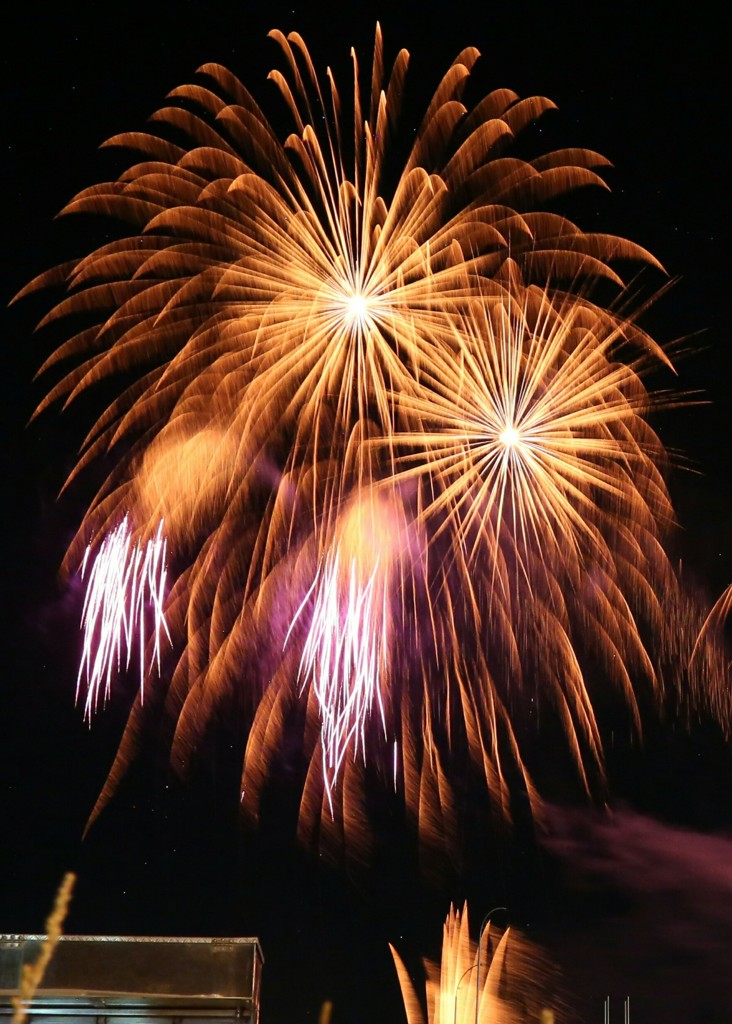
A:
<point x="636" y="901"/>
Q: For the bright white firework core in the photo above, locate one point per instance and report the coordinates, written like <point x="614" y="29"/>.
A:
<point x="357" y="306"/>
<point x="509" y="437"/>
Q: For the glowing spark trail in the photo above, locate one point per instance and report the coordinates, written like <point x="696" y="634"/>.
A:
<point x="125" y="582"/>
<point x="345" y="655"/>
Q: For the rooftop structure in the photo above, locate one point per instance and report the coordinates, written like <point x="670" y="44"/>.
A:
<point x="137" y="979"/>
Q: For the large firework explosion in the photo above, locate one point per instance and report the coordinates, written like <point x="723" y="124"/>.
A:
<point x="397" y="451"/>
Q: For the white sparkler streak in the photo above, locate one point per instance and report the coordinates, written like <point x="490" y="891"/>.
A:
<point x="344" y="657"/>
<point x="126" y="583"/>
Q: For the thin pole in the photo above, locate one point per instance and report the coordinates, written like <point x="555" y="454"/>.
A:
<point x="486" y="921"/>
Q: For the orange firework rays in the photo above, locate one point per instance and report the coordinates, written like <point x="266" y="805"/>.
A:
<point x="531" y="425"/>
<point x="537" y="475"/>
<point x="309" y="349"/>
<point x="286" y="261"/>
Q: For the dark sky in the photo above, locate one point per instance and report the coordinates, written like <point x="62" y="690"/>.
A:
<point x="647" y="88"/>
